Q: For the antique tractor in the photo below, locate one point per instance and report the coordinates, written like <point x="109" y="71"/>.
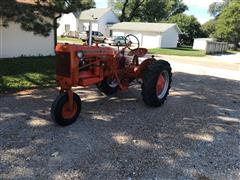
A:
<point x="110" y="70"/>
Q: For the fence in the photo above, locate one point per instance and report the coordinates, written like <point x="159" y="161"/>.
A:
<point x="216" y="47"/>
<point x="210" y="46"/>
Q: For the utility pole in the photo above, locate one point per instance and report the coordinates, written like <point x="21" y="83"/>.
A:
<point x="90" y="30"/>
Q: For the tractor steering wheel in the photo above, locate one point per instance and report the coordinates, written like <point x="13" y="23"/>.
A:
<point x="132" y="40"/>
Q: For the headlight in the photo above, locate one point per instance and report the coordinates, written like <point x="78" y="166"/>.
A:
<point x="80" y="54"/>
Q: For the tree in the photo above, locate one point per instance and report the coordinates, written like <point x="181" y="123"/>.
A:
<point x="35" y="16"/>
<point x="217" y="7"/>
<point x="130" y="9"/>
<point x="150" y="11"/>
<point x="189" y="25"/>
<point x="228" y="24"/>
<point x="209" y="27"/>
<point x="111" y="3"/>
<point x="147" y="10"/>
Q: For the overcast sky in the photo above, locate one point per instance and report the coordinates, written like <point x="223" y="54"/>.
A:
<point x="198" y="8"/>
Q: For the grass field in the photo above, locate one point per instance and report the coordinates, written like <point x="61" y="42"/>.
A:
<point x="180" y="51"/>
<point x="69" y="40"/>
<point x="26" y="73"/>
<point x="233" y="52"/>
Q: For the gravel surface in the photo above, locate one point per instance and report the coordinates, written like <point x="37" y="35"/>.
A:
<point x="195" y="135"/>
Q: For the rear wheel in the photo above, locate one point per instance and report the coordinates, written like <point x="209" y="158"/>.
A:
<point x="156" y="83"/>
<point x="60" y="111"/>
<point x="108" y="86"/>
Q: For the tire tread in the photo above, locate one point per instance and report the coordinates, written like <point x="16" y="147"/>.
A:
<point x="149" y="83"/>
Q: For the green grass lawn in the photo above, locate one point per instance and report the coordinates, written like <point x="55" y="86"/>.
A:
<point x="69" y="40"/>
<point x="180" y="51"/>
<point x="233" y="52"/>
<point x="26" y="73"/>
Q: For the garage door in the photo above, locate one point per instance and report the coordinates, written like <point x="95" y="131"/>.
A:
<point x="138" y="35"/>
<point x="116" y="33"/>
<point x="150" y="41"/>
<point x="134" y="40"/>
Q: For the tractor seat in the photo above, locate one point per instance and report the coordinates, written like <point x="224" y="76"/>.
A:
<point x="139" y="52"/>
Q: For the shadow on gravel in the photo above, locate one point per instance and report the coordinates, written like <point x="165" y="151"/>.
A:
<point x="194" y="135"/>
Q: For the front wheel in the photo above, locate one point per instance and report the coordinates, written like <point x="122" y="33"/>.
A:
<point x="60" y="111"/>
<point x="156" y="83"/>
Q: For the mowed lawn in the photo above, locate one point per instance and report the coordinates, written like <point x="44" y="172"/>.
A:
<point x="69" y="40"/>
<point x="180" y="51"/>
<point x="26" y="73"/>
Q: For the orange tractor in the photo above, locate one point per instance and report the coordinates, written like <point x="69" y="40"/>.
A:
<point x="110" y="70"/>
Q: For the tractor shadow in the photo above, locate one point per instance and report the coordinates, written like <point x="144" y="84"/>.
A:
<point x="194" y="135"/>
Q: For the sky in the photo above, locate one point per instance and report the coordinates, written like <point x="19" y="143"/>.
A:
<point x="198" y="8"/>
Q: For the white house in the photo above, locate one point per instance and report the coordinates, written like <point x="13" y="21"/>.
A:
<point x="67" y="22"/>
<point x="15" y="42"/>
<point x="102" y="19"/>
<point x="150" y="35"/>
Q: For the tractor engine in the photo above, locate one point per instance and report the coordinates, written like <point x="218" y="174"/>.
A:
<point x="79" y="65"/>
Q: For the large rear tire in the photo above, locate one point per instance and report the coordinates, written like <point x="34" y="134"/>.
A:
<point x="60" y="112"/>
<point x="156" y="83"/>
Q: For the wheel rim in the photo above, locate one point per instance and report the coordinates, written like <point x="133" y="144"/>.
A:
<point x="162" y="84"/>
<point x="67" y="113"/>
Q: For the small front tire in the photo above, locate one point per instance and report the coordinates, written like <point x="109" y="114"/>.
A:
<point x="60" y="112"/>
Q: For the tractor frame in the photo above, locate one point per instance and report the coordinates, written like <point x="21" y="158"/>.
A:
<point x="111" y="70"/>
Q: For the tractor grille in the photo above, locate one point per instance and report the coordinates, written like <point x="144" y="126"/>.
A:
<point x="63" y="64"/>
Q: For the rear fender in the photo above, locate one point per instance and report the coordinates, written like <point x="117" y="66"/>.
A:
<point x="142" y="67"/>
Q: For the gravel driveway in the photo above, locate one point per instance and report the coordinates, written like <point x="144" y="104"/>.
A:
<point x="195" y="135"/>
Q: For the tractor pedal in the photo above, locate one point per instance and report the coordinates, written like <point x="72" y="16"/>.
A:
<point x="124" y="84"/>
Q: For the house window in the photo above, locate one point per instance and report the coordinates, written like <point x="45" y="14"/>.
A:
<point x="67" y="27"/>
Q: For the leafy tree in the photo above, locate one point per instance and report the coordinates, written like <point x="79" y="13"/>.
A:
<point x="228" y="24"/>
<point x="147" y="10"/>
<point x="217" y="7"/>
<point x="189" y="25"/>
<point x="130" y="9"/>
<point x="156" y="11"/>
<point x="209" y="27"/>
<point x="111" y="3"/>
<point x="36" y="16"/>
